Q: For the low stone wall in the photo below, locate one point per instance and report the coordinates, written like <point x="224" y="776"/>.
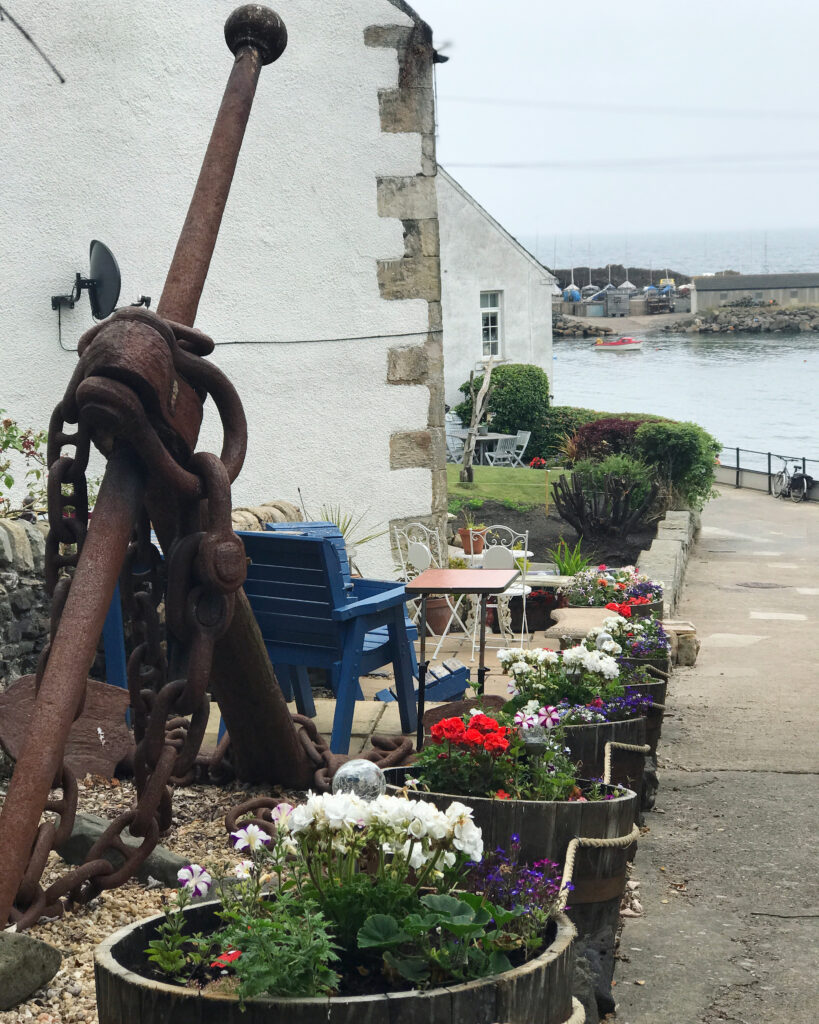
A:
<point x="667" y="558"/>
<point x="24" y="604"/>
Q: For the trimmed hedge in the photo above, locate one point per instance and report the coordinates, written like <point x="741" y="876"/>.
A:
<point x="519" y="400"/>
<point x="683" y="456"/>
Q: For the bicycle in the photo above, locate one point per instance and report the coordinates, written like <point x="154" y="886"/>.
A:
<point x="793" y="485"/>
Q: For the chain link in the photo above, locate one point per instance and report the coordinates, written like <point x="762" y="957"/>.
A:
<point x="167" y="680"/>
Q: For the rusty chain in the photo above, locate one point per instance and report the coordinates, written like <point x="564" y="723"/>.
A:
<point x="205" y="566"/>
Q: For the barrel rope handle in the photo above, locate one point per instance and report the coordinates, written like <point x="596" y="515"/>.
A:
<point x="578" y="1012"/>
<point x="600" y="844"/>
<point x="638" y="748"/>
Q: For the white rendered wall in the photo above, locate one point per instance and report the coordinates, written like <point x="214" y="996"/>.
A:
<point x="114" y="154"/>
<point x="476" y="257"/>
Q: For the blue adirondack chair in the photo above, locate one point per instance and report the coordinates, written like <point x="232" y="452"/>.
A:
<point x="312" y="615"/>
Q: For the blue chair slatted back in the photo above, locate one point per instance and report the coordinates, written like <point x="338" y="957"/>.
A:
<point x="294" y="584"/>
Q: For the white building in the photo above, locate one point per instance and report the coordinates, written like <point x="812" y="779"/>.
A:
<point x="497" y="298"/>
<point x="324" y="292"/>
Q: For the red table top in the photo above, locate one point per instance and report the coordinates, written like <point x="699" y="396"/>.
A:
<point x="462" y="581"/>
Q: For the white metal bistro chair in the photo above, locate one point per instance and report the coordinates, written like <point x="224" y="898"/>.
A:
<point x="420" y="548"/>
<point x="503" y="453"/>
<point x="504" y="548"/>
<point x="521" y="442"/>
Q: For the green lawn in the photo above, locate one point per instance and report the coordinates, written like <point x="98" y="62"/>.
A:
<point x="523" y="488"/>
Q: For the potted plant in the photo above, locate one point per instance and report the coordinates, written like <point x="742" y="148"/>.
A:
<point x="375" y="911"/>
<point x="471" y="537"/>
<point x="646" y="596"/>
<point x="597" y="587"/>
<point x="584" y="686"/>
<point x="511" y="768"/>
<point x="640" y="641"/>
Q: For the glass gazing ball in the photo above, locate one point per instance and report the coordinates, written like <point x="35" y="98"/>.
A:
<point x="363" y="778"/>
<point x="535" y="740"/>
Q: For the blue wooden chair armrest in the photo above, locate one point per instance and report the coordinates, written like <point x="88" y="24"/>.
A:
<point x="390" y="597"/>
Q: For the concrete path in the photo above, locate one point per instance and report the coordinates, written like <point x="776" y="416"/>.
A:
<point x="729" y="872"/>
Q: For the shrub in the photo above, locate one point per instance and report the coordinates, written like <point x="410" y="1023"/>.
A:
<point x="634" y="475"/>
<point x="682" y="456"/>
<point x="519" y="400"/>
<point x="604" y="437"/>
<point x="562" y="421"/>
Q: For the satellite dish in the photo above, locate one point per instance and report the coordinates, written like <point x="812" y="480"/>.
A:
<point x="105" y="280"/>
<point x="103" y="285"/>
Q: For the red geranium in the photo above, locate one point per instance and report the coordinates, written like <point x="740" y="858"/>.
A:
<point x="620" y="609"/>
<point x="502" y="795"/>
<point x="473" y="738"/>
<point x="495" y="743"/>
<point x="483" y="723"/>
<point x="602" y="568"/>
<point x="448" y="729"/>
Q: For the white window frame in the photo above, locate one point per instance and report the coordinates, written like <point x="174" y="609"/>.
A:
<point x="487" y="311"/>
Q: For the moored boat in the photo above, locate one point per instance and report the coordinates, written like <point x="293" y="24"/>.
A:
<point x="620" y="345"/>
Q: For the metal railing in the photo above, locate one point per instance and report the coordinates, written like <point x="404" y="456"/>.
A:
<point x="764" y="463"/>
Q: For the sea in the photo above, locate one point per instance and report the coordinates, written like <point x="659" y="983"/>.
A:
<point x="691" y="252"/>
<point x="755" y="392"/>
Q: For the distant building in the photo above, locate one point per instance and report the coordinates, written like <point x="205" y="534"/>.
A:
<point x="783" y="289"/>
<point x="496" y="297"/>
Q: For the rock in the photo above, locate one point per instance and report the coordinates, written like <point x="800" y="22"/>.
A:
<point x="161" y="864"/>
<point x="583" y="989"/>
<point x="26" y="964"/>
<point x="86" y="750"/>
<point x="599" y="952"/>
<point x="687" y="649"/>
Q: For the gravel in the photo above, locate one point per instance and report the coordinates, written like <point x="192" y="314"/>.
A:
<point x="198" y="834"/>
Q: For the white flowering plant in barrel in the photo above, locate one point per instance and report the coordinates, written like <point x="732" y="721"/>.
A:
<point x="341" y="895"/>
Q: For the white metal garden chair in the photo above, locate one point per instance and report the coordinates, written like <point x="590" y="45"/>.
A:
<point x="420" y="548"/>
<point x="521" y="443"/>
<point x="504" y="548"/>
<point x="503" y="452"/>
<point x="454" y="448"/>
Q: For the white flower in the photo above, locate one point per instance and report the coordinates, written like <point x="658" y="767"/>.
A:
<point x="243" y="869"/>
<point x="101" y="735"/>
<point x="195" y="879"/>
<point x="548" y="717"/>
<point x="251" y="837"/>
<point x="525" y="720"/>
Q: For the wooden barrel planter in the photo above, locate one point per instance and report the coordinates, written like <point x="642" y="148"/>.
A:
<point x="538" y="991"/>
<point x="661" y="661"/>
<point x="644" y="611"/>
<point x="657" y="690"/>
<point x="587" y="745"/>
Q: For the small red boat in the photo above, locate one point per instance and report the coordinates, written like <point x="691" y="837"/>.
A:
<point x="621" y="345"/>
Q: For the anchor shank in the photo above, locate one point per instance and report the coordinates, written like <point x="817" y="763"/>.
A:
<point x="70" y="659"/>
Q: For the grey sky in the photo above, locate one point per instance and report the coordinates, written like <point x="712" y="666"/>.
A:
<point x="723" y="54"/>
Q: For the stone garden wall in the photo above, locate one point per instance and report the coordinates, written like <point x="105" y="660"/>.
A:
<point x="24" y="605"/>
<point x="667" y="558"/>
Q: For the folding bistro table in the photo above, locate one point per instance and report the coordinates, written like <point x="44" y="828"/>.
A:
<point x="481" y="582"/>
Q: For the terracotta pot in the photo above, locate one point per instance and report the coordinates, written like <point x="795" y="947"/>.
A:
<point x="126" y="996"/>
<point x="472" y="541"/>
<point x="438" y="613"/>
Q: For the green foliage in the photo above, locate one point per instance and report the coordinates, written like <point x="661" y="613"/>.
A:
<point x="568" y="560"/>
<point x="286" y="951"/>
<point x="683" y="456"/>
<point x="519" y="400"/>
<point x="634" y="475"/>
<point x="348" y="905"/>
<point x="448" y="938"/>
<point x="174" y="952"/>
<point x="30" y="446"/>
<point x="562" y="421"/>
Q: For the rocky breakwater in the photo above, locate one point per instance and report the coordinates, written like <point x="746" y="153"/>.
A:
<point x="572" y="327"/>
<point x="750" y="320"/>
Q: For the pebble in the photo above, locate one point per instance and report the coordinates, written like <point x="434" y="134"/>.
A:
<point x="198" y="834"/>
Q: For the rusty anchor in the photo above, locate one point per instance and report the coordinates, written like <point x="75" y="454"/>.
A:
<point x="137" y="395"/>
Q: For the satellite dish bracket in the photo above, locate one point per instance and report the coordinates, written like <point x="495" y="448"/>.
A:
<point x="74" y="295"/>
